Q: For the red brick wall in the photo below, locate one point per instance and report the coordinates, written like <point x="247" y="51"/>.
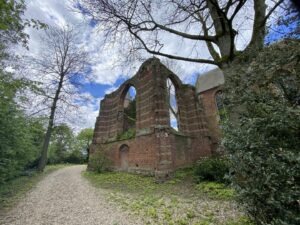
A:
<point x="142" y="153"/>
<point x="210" y="108"/>
<point x="155" y="148"/>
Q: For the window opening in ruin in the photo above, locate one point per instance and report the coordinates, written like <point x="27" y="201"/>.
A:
<point x="129" y="112"/>
<point x="172" y="103"/>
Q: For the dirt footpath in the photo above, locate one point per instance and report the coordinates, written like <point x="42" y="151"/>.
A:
<point x="64" y="197"/>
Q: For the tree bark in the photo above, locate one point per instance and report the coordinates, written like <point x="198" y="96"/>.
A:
<point x="43" y="158"/>
<point x="225" y="34"/>
<point x="259" y="25"/>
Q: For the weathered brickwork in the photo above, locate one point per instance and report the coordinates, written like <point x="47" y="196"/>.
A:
<point x="208" y="99"/>
<point x="156" y="148"/>
<point x="208" y="86"/>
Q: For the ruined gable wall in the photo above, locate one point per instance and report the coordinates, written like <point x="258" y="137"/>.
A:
<point x="156" y="147"/>
<point x="208" y="99"/>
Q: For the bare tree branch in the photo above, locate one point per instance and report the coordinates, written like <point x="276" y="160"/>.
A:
<point x="58" y="67"/>
<point x="145" y="21"/>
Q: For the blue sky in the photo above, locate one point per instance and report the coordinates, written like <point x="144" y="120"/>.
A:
<point x="99" y="90"/>
<point x="279" y="32"/>
<point x="105" y="75"/>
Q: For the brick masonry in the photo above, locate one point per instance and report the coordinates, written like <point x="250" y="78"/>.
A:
<point x="208" y="99"/>
<point x="156" y="149"/>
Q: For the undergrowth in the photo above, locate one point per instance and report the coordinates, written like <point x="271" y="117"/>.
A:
<point x="130" y="133"/>
<point x="178" y="201"/>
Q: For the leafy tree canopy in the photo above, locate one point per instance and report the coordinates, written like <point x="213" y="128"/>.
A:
<point x="12" y="24"/>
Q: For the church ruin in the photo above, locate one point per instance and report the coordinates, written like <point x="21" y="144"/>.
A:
<point x="163" y="128"/>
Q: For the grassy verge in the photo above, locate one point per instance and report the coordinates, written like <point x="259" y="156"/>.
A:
<point x="12" y="191"/>
<point x="177" y="202"/>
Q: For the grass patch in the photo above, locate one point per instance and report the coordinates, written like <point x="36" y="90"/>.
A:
<point x="177" y="201"/>
<point x="14" y="190"/>
<point x="216" y="190"/>
<point x="243" y="220"/>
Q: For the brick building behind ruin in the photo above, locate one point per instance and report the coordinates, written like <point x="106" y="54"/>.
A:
<point x="156" y="148"/>
<point x="209" y="91"/>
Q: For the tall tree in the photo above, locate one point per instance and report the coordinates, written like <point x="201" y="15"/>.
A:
<point x="19" y="134"/>
<point x="61" y="63"/>
<point x="85" y="137"/>
<point x="214" y="22"/>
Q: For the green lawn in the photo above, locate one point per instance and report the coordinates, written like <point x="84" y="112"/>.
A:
<point x="180" y="201"/>
<point x="14" y="190"/>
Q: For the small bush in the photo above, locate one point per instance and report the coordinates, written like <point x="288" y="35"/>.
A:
<point x="212" y="169"/>
<point x="130" y="133"/>
<point x="98" y="162"/>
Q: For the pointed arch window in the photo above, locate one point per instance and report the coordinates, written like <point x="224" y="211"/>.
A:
<point x="129" y="112"/>
<point x="172" y="104"/>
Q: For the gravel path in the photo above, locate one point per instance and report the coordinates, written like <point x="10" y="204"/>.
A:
<point x="64" y="197"/>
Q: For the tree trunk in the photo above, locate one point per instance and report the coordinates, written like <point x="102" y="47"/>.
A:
<point x="88" y="150"/>
<point x="224" y="31"/>
<point x="44" y="153"/>
<point x="259" y="25"/>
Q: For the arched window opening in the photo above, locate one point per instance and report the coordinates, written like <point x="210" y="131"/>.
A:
<point x="220" y="105"/>
<point x="129" y="111"/>
<point x="172" y="104"/>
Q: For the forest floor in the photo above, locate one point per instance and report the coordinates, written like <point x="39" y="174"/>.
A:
<point x="66" y="196"/>
<point x="179" y="201"/>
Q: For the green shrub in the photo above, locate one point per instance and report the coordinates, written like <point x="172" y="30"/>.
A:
<point x="98" y="162"/>
<point x="212" y="169"/>
<point x="20" y="136"/>
<point x="262" y="132"/>
<point x="130" y="133"/>
<point x="75" y="157"/>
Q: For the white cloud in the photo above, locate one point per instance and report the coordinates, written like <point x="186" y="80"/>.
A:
<point x="85" y="115"/>
<point x="58" y="13"/>
<point x="9" y="69"/>
<point x="105" y="60"/>
<point x="105" y="68"/>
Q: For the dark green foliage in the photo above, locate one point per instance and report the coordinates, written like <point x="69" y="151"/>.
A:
<point x="98" y="162"/>
<point x="262" y="133"/>
<point x="130" y="133"/>
<point x="65" y="147"/>
<point x="12" y="24"/>
<point x="20" y="137"/>
<point x="75" y="157"/>
<point x="212" y="169"/>
<point x="84" y="139"/>
<point x="130" y="116"/>
<point x="130" y="111"/>
<point x="61" y="144"/>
